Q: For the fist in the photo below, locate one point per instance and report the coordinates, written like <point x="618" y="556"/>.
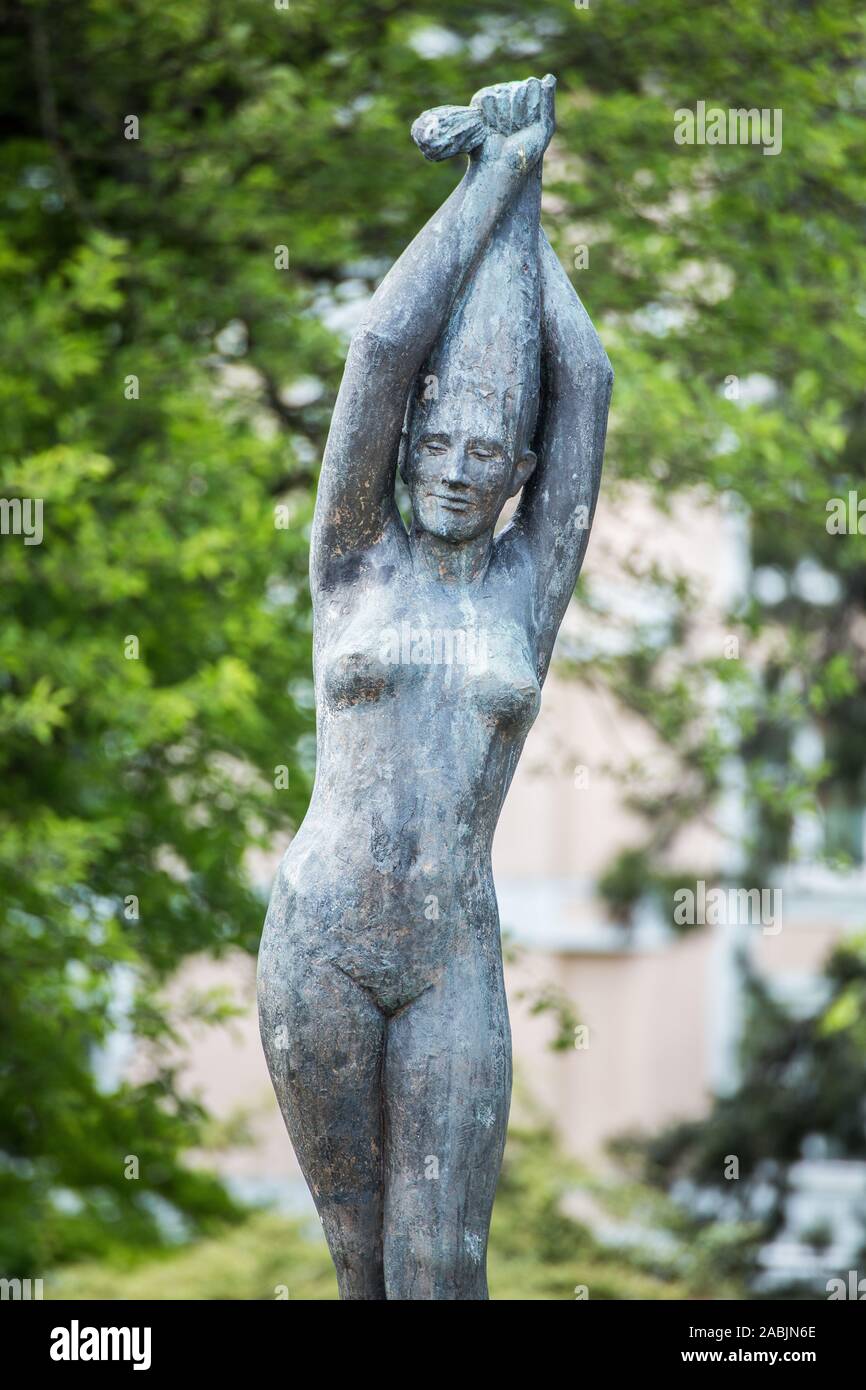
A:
<point x="511" y="122"/>
<point x="508" y="107"/>
<point x="519" y="118"/>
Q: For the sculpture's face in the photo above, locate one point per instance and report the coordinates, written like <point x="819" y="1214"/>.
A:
<point x="459" y="478"/>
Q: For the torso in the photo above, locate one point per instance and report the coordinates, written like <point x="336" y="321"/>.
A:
<point x="425" y="693"/>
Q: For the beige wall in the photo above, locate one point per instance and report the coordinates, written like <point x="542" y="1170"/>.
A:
<point x="644" y="1061"/>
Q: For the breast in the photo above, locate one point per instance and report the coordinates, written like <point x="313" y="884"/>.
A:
<point x="356" y="676"/>
<point x="507" y="693"/>
<point x="486" y="673"/>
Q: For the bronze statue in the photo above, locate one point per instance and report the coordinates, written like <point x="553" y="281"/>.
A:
<point x="382" y="1005"/>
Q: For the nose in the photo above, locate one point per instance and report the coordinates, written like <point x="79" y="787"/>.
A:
<point x="454" y="469"/>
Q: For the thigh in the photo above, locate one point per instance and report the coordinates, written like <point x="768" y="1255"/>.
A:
<point x="324" y="1041"/>
<point x="447" y="1092"/>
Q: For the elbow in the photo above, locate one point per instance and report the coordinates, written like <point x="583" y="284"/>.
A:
<point x="581" y="360"/>
<point x="596" y="373"/>
<point x="598" y="363"/>
<point x="367" y="341"/>
<point x="600" y="369"/>
<point x="590" y="379"/>
<point x="375" y="352"/>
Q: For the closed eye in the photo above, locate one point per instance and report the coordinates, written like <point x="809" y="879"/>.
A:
<point x="485" y="455"/>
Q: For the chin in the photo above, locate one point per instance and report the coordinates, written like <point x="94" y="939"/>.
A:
<point x="448" y="524"/>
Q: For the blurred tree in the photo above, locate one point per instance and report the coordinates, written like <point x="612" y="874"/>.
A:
<point x="196" y="201"/>
<point x="800" y="1094"/>
<point x="155" y="692"/>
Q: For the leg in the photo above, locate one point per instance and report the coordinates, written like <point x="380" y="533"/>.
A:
<point x="323" y="1038"/>
<point x="447" y="1092"/>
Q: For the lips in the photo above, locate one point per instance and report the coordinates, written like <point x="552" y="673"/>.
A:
<point x="453" y="503"/>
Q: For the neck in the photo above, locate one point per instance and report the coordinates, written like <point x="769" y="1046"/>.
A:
<point x="463" y="562"/>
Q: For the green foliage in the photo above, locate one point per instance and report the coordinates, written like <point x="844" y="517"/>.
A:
<point x="150" y="642"/>
<point x="163" y="385"/>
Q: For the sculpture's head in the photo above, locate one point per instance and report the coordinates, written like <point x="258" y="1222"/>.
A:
<point x="465" y="452"/>
<point x="470" y="421"/>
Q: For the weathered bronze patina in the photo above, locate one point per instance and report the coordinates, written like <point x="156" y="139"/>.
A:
<point x="383" y="1013"/>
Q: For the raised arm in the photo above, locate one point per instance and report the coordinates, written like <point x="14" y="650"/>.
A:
<point x="355" y="502"/>
<point x="558" y="502"/>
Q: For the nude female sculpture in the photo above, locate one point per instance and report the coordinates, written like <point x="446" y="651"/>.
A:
<point x="381" y="996"/>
